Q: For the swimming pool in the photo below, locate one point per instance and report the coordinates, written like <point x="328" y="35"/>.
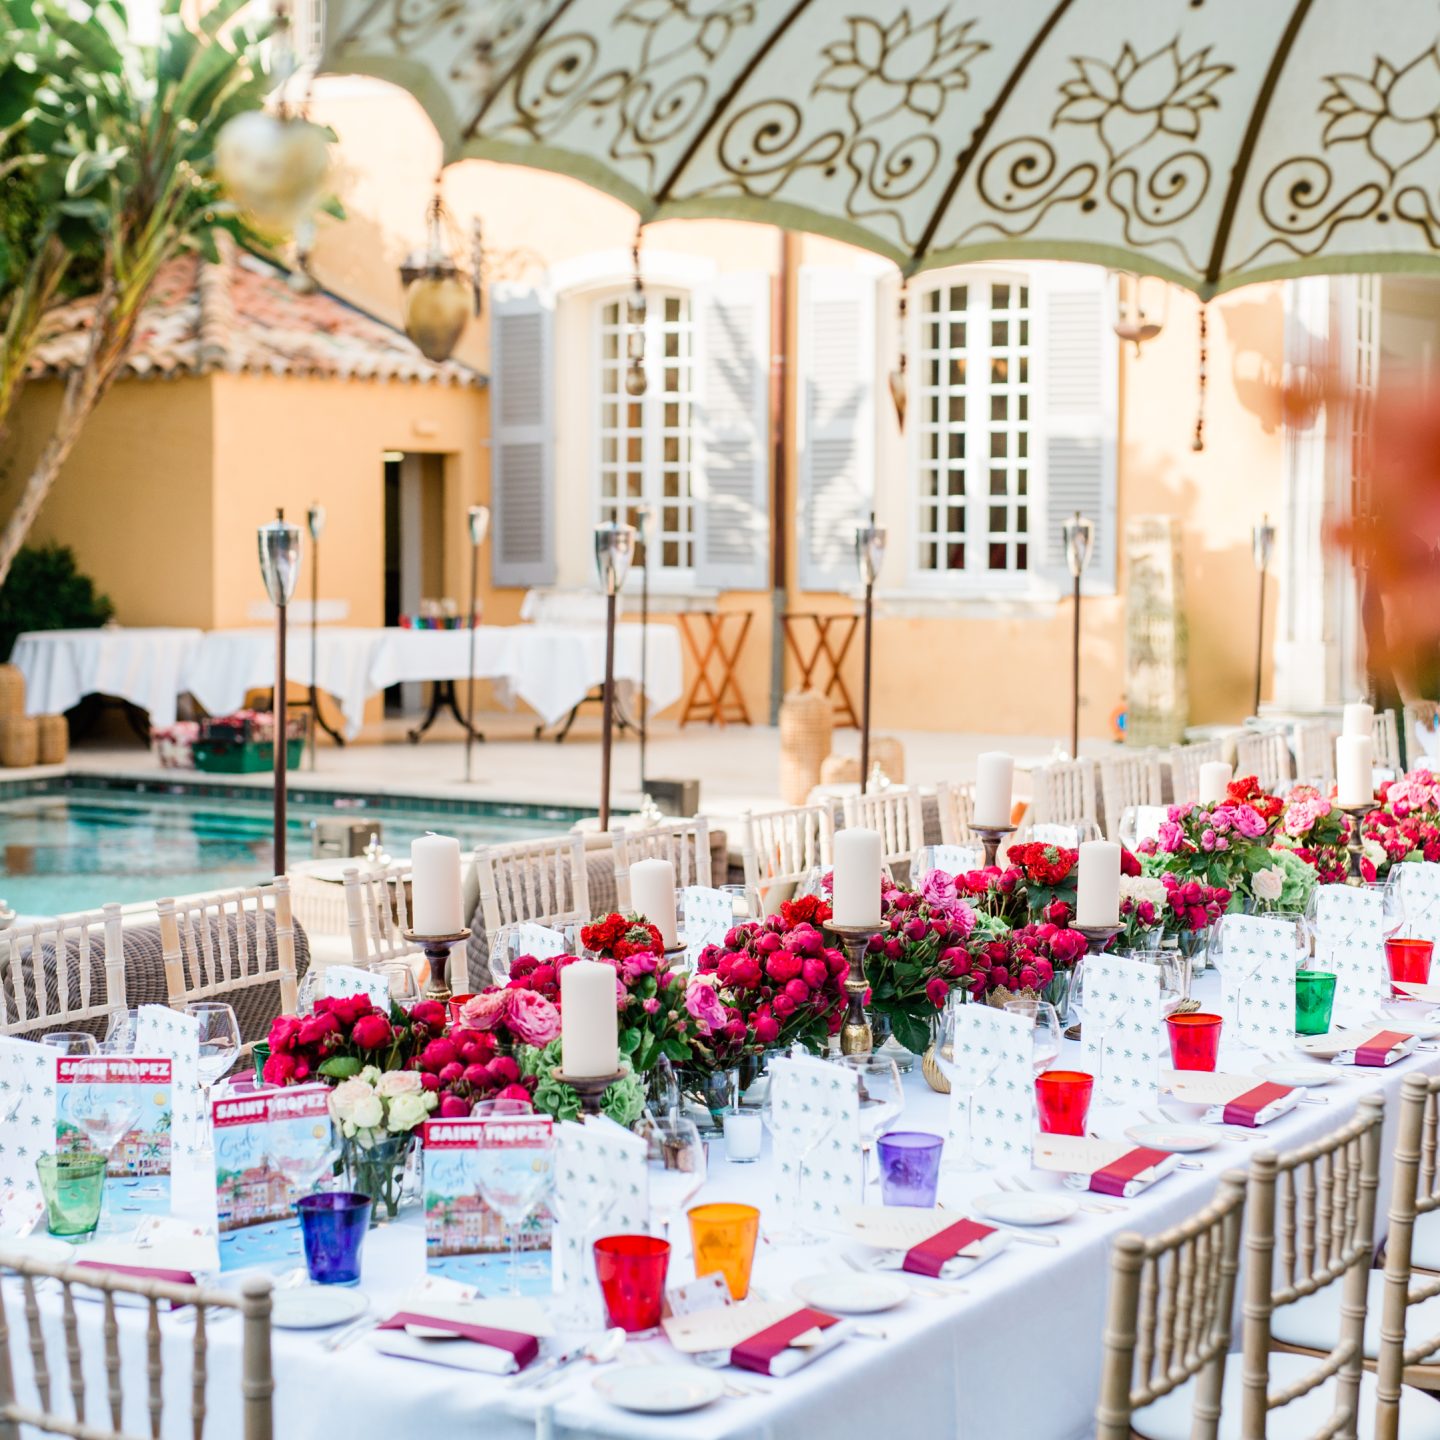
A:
<point x="68" y="846"/>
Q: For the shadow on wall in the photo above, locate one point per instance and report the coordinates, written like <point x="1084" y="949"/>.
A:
<point x="1255" y="332"/>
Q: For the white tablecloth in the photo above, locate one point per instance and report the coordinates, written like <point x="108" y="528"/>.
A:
<point x="142" y="666"/>
<point x="1017" y="1354"/>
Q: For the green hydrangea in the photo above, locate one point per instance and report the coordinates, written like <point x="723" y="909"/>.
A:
<point x="623" y="1101"/>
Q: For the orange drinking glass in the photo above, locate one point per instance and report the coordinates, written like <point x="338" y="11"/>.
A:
<point x="723" y="1238"/>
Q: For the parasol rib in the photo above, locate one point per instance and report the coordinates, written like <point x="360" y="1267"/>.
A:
<point x="734" y="88"/>
<point x="966" y="157"/>
<point x="526" y="53"/>
<point x="1252" y="138"/>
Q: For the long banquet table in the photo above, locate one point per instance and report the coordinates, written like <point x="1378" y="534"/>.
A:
<point x="1013" y="1351"/>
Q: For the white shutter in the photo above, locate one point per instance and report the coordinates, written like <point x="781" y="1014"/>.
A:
<point x="522" y="485"/>
<point x="835" y="422"/>
<point x="1079" y="380"/>
<point x="732" y="461"/>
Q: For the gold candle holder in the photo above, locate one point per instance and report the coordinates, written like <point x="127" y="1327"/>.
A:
<point x="436" y="949"/>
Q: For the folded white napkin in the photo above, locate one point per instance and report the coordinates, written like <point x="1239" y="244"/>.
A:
<point x="1396" y="1052"/>
<point x="816" y="1343"/>
<point x="454" y="1351"/>
<point x="1137" y="1184"/>
<point x="977" y="1253"/>
<point x="1215" y="1115"/>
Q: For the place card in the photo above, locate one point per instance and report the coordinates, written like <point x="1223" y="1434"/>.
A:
<point x="1257" y="980"/>
<point x="956" y="859"/>
<point x="27" y="1122"/>
<point x="137" y="1178"/>
<point x="465" y="1239"/>
<point x="1429" y="992"/>
<point x="270" y="1148"/>
<point x="709" y="917"/>
<point x="1122" y="1028"/>
<point x="994" y="1076"/>
<point x="1232" y="1099"/>
<point x="173" y="1034"/>
<point x="698" y="1294"/>
<point x="600" y="1173"/>
<point x="538" y="940"/>
<point x="1350" y="940"/>
<point x="815" y="1134"/>
<point x="159" y="1239"/>
<point x="342" y="981"/>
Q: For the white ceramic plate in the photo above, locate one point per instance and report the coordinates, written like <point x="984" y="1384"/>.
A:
<point x="1015" y="1209"/>
<point x="315" y="1307"/>
<point x="1297" y="1073"/>
<point x="849" y="1293"/>
<point x="1422" y="1027"/>
<point x="660" y="1389"/>
<point x="1182" y="1139"/>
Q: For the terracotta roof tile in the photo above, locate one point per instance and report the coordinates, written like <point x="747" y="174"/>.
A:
<point x="242" y="316"/>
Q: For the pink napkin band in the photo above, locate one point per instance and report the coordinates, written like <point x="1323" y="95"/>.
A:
<point x="140" y="1272"/>
<point x="1378" y="1047"/>
<point x="1114" y="1177"/>
<point x="1244" y="1109"/>
<point x="760" y="1349"/>
<point x="524" y="1348"/>
<point x="929" y="1256"/>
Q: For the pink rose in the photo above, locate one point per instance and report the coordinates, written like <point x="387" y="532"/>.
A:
<point x="532" y="1018"/>
<point x="705" y="1006"/>
<point x="487" y="1009"/>
<point x="938" y="889"/>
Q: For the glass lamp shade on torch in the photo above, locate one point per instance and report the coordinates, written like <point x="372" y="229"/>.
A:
<point x="280" y="559"/>
<point x="614" y="552"/>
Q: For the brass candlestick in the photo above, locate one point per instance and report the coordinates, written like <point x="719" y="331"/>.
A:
<point x="590" y="1088"/>
<point x="1355" y="838"/>
<point x="437" y="953"/>
<point x="990" y="838"/>
<point x="857" y="1037"/>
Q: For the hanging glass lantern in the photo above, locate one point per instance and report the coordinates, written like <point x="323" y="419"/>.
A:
<point x="636" y="307"/>
<point x="274" y="166"/>
<point x="438" y="296"/>
<point x="1137" y="321"/>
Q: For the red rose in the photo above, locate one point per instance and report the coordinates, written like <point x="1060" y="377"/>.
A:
<point x="438" y="1053"/>
<point x="372" y="1032"/>
<point x="279" y="1070"/>
<point x="429" y="1080"/>
<point x="1129" y="865"/>
<point x="798" y="991"/>
<point x="767" y="1032"/>
<point x="350" y="1008"/>
<point x="431" y="1014"/>
<point x="783" y="1005"/>
<point x="505" y="1068"/>
<point x="479" y="1076"/>
<point x="314" y="1029"/>
<point x="452" y="1107"/>
<point x="937" y="992"/>
<point x="783" y="966"/>
<point x="746" y="973"/>
<point x="814" y="973"/>
<point x="513" y="1092"/>
<point x="452" y="1072"/>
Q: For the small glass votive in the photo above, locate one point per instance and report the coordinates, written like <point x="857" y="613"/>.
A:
<point x="1194" y="1040"/>
<point x="723" y="1238"/>
<point x="1408" y="960"/>
<point x="743" y="1135"/>
<point x="73" y="1184"/>
<point x="1314" y="1001"/>
<point x="631" y="1271"/>
<point x="1062" y="1101"/>
<point x="333" y="1225"/>
<point x="909" y="1167"/>
<point x="260" y="1053"/>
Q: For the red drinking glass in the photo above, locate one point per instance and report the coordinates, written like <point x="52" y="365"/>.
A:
<point x="631" y="1270"/>
<point x="1194" y="1040"/>
<point x="1408" y="960"/>
<point x="1063" y="1099"/>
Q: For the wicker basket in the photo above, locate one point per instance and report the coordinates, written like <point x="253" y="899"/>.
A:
<point x="12" y="691"/>
<point x="885" y="751"/>
<point x="54" y="742"/>
<point x="19" y="741"/>
<point x="806" y="725"/>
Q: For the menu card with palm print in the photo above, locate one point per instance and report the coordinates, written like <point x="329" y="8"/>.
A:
<point x="1257" y="981"/>
<point x="1350" y="940"/>
<point x="1420" y="890"/>
<point x="1122" y="1028"/>
<point x="993" y="1078"/>
<point x="600" y="1175"/>
<point x="815" y="1130"/>
<point x="27" y="1129"/>
<point x="173" y="1034"/>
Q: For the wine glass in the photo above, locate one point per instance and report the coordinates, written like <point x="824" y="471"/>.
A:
<point x="312" y="987"/>
<point x="800" y="1135"/>
<point x="881" y="1097"/>
<point x="218" y="1034"/>
<point x="103" y="1102"/>
<point x="966" y="1072"/>
<point x="514" y="1180"/>
<point x="1045" y="1031"/>
<point x="745" y="903"/>
<point x="675" y="1156"/>
<point x="71" y="1042"/>
<point x="120" y="1033"/>
<point x="483" y="1109"/>
<point x="400" y="978"/>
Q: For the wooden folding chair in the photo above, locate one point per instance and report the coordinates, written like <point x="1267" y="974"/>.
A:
<point x="684" y="843"/>
<point x="1185" y="763"/>
<point x="1314" y="742"/>
<point x="897" y="815"/>
<point x="62" y="1403"/>
<point x="542" y="881"/>
<point x="956" y="805"/>
<point x="1064" y="794"/>
<point x="1167" y="1324"/>
<point x="1133" y="778"/>
<point x="782" y="847"/>
<point x="51" y="969"/>
<point x="1266" y="756"/>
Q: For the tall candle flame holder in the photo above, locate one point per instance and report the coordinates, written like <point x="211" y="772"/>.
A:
<point x="1355" y="835"/>
<point x="436" y="949"/>
<point x="857" y="1035"/>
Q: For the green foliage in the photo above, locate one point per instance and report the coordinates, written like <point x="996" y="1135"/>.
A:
<point x="46" y="591"/>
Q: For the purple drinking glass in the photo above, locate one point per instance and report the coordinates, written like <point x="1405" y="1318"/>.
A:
<point x="909" y="1167"/>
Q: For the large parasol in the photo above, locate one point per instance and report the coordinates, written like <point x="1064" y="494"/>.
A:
<point x="1212" y="142"/>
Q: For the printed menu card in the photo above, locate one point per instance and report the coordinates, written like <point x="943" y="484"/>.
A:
<point x="1122" y="1030"/>
<point x="993" y="1076"/>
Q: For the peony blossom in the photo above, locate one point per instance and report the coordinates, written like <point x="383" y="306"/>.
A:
<point x="705" y="1006"/>
<point x="532" y="1018"/>
<point x="1269" y="883"/>
<point x="488" y="1009"/>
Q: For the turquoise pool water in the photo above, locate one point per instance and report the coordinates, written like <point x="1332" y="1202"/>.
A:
<point x="76" y="848"/>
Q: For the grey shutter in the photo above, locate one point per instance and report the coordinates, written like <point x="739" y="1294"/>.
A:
<point x="522" y="480"/>
<point x="732" y="461"/>
<point x="835" y="421"/>
<point x="1080" y="382"/>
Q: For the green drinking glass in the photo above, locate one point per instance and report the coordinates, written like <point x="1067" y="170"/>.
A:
<point x="73" y="1184"/>
<point x="1314" y="1000"/>
<point x="260" y="1053"/>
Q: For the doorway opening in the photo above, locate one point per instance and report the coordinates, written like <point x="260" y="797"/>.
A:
<point x="414" y="551"/>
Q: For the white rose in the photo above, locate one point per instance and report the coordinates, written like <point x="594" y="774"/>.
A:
<point x="398" y="1082"/>
<point x="370" y="1075"/>
<point x="1143" y="887"/>
<point x="406" y="1112"/>
<point x="356" y="1106"/>
<point x="709" y="978"/>
<point x="1269" y="883"/>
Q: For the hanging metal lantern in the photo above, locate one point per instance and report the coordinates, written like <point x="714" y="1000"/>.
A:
<point x="1136" y="321"/>
<point x="636" y="308"/>
<point x="439" y="297"/>
<point x="274" y="166"/>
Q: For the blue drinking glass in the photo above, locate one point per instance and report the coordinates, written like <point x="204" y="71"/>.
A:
<point x="333" y="1226"/>
<point x="909" y="1167"/>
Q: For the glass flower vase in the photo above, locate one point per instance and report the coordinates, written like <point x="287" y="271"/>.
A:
<point x="377" y="1169"/>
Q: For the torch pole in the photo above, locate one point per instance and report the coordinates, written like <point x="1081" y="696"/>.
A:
<point x="607" y="730"/>
<point x="314" y="653"/>
<point x="644" y="699"/>
<point x="1075" y="677"/>
<point x="277" y="706"/>
<point x="865" y="691"/>
<point x="1259" y="644"/>
<point x="470" y="670"/>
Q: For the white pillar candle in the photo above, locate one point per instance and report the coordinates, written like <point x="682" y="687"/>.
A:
<point x="1359" y="719"/>
<point x="743" y="1134"/>
<point x="1097" y="897"/>
<point x="856" y="897"/>
<point x="435" y="907"/>
<point x="589" y="1035"/>
<point x="1215" y="775"/>
<point x="1354" y="769"/>
<point x="652" y="894"/>
<point x="994" y="781"/>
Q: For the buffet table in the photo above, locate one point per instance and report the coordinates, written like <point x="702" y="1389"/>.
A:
<point x="1013" y="1350"/>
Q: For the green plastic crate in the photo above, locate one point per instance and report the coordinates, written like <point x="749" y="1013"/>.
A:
<point x="248" y="758"/>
